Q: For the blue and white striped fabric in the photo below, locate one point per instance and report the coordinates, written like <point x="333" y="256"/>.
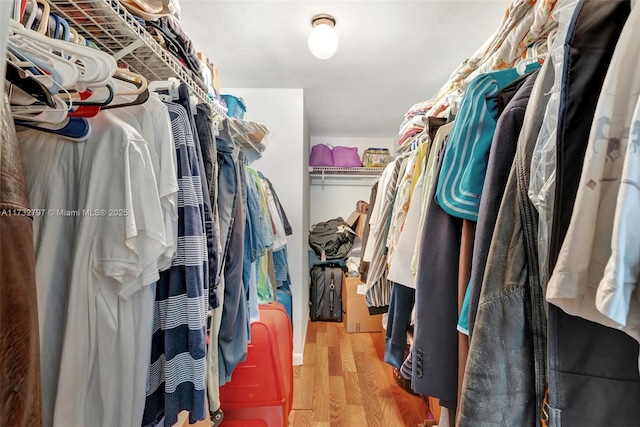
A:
<point x="465" y="160"/>
<point x="177" y="375"/>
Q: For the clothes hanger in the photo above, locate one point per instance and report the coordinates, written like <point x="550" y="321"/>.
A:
<point x="533" y="55"/>
<point x="44" y="18"/>
<point x="91" y="65"/>
<point x="61" y="31"/>
<point x="97" y="67"/>
<point x="126" y="75"/>
<point x="74" y="35"/>
<point x="17" y="10"/>
<point x="140" y="99"/>
<point x="32" y="14"/>
<point x="34" y="88"/>
<point x="27" y="107"/>
<point x="75" y="128"/>
<point x="48" y="78"/>
<point x="36" y="113"/>
<point x="42" y="12"/>
<point x="66" y="73"/>
<point x="171" y="85"/>
<point x="99" y="97"/>
<point x="524" y="66"/>
<point x="90" y="109"/>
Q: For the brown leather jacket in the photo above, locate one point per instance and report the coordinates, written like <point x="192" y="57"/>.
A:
<point x="20" y="399"/>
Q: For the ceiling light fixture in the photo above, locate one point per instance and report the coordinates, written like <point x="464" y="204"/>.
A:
<point x="323" y="40"/>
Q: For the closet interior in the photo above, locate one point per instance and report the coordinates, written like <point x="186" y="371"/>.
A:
<point x="193" y="235"/>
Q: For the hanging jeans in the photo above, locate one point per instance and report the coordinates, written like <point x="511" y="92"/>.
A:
<point x="256" y="219"/>
<point x="204" y="125"/>
<point x="227" y="188"/>
<point x="593" y="369"/>
<point x="233" y="335"/>
<point x="281" y="265"/>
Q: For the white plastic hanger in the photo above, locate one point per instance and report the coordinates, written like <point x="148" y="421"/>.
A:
<point x="172" y="84"/>
<point x="48" y="78"/>
<point x="32" y="8"/>
<point x="96" y="68"/>
<point x="40" y="114"/>
<point x="66" y="73"/>
<point x="534" y="54"/>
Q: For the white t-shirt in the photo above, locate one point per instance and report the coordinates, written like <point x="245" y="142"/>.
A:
<point x="152" y="121"/>
<point x="576" y="284"/>
<point x="88" y="263"/>
<point x="400" y="269"/>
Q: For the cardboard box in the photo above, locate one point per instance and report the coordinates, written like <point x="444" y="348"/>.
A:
<point x="357" y="222"/>
<point x="212" y="68"/>
<point x="356" y="317"/>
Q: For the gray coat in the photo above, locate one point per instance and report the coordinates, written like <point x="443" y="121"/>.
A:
<point x="504" y="379"/>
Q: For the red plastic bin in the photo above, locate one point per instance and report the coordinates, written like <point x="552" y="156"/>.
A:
<point x="261" y="389"/>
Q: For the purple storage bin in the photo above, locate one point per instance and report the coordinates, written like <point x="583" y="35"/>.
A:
<point x="346" y="157"/>
<point x="321" y="156"/>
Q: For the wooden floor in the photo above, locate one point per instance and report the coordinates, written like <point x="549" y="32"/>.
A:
<point x="345" y="382"/>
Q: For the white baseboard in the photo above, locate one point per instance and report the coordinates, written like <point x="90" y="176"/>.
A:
<point x="297" y="359"/>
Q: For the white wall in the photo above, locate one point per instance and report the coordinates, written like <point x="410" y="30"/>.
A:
<point x="284" y="163"/>
<point x="339" y="198"/>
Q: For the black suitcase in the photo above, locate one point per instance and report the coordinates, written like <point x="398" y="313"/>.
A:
<point x="326" y="293"/>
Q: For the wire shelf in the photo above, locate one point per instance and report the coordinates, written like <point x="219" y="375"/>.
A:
<point x="343" y="176"/>
<point x="315" y="170"/>
<point x="117" y="32"/>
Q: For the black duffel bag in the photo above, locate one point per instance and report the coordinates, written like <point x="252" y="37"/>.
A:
<point x="331" y="239"/>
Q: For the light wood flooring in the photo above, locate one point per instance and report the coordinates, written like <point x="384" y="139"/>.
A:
<point x="345" y="382"/>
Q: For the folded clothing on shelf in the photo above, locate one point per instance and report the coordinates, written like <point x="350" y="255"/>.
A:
<point x="168" y="32"/>
<point x="147" y="9"/>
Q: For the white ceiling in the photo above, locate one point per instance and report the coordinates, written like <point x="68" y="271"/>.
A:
<point x="392" y="54"/>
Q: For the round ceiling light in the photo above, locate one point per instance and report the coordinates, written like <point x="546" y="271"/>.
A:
<point x="323" y="40"/>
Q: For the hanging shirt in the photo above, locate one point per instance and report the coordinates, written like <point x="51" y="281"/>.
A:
<point x="280" y="237"/>
<point x="177" y="375"/>
<point x="604" y="214"/>
<point x="543" y="163"/>
<point x="151" y="120"/>
<point x="524" y="23"/>
<point x="423" y="151"/>
<point x="378" y="290"/>
<point x="400" y="268"/>
<point x="465" y="159"/>
<point x="430" y="181"/>
<point x="400" y="205"/>
<point x="102" y="230"/>
<point x="376" y="216"/>
<point x="617" y="295"/>
<point x="166" y="171"/>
